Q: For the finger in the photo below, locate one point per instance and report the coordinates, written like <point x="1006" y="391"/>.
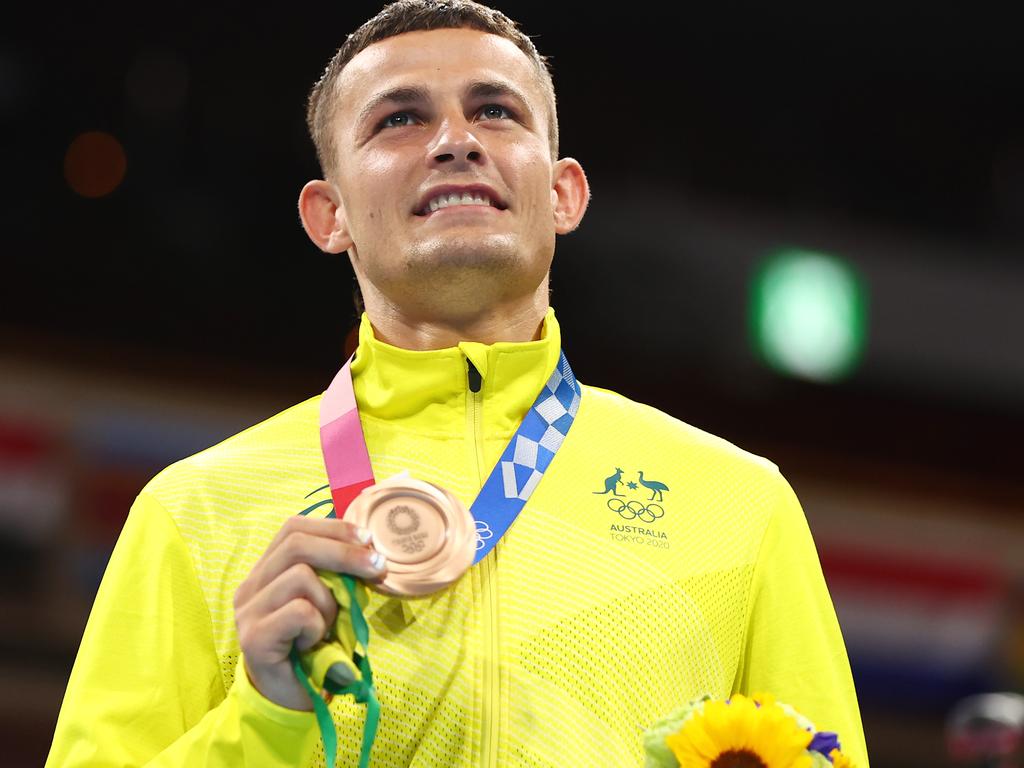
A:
<point x="328" y="529"/>
<point x="312" y="633"/>
<point x="319" y="552"/>
<point x="269" y="641"/>
<point x="299" y="581"/>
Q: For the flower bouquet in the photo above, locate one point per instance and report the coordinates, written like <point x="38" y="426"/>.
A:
<point x="740" y="732"/>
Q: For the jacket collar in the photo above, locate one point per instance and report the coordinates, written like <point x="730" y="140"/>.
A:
<point x="426" y="391"/>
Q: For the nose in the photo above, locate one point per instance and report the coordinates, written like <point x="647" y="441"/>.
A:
<point x="456" y="147"/>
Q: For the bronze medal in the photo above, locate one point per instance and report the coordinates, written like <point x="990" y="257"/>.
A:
<point x="427" y="535"/>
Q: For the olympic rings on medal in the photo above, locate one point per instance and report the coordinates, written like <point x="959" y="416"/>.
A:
<point x="636" y="510"/>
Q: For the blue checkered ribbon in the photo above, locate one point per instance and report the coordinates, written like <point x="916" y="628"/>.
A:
<point x="527" y="456"/>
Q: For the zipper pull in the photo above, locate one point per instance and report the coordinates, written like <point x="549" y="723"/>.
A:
<point x="475" y="379"/>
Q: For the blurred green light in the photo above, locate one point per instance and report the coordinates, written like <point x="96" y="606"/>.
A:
<point x="808" y="315"/>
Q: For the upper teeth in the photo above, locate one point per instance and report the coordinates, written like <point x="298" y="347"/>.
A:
<point x="458" y="198"/>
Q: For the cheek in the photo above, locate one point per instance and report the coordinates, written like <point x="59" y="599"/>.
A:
<point x="378" y="192"/>
<point x="376" y="165"/>
<point x="531" y="175"/>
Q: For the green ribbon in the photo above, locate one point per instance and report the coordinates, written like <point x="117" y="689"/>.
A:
<point x="362" y="689"/>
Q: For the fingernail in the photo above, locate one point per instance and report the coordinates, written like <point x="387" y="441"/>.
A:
<point x="378" y="561"/>
<point x="364" y="535"/>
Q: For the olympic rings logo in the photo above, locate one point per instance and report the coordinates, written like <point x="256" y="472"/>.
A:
<point x="483" y="532"/>
<point x="635" y="510"/>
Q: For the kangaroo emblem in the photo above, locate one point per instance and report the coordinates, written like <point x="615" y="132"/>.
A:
<point x="654" y="486"/>
<point x="611" y="481"/>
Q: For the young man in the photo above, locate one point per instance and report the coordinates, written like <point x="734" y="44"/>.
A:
<point x="650" y="565"/>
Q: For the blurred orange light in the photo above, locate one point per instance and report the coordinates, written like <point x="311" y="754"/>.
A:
<point x="95" y="163"/>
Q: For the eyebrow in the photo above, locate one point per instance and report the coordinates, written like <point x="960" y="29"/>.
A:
<point x="490" y="88"/>
<point x="415" y="94"/>
<point x="403" y="95"/>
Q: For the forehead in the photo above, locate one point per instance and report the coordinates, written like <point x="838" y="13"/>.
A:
<point x="438" y="57"/>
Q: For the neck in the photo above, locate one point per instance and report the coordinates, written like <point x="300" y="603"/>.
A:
<point x="520" y="320"/>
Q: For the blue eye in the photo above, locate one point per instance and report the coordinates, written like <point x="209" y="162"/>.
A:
<point x="495" y="112"/>
<point x="397" y="120"/>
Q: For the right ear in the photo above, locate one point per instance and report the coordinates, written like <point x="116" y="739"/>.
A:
<point x="323" y="217"/>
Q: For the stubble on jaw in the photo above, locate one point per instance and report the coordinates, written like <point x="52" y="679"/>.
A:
<point x="493" y="254"/>
<point x="442" y="291"/>
<point x="463" y="272"/>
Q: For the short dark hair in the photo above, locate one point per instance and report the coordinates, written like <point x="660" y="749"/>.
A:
<point x="414" y="16"/>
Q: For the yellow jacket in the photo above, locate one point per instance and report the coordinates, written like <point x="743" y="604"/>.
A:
<point x="611" y="601"/>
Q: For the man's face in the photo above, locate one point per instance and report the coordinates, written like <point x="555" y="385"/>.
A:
<point x="444" y="167"/>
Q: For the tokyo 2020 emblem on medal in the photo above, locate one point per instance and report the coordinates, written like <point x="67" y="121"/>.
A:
<point x="425" y="532"/>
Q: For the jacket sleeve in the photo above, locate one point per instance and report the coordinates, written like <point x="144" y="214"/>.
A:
<point x="146" y="687"/>
<point x="794" y="648"/>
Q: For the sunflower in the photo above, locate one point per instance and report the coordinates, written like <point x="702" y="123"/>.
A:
<point x="740" y="733"/>
<point x="839" y="760"/>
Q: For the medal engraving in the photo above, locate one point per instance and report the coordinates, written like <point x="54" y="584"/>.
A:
<point x="403" y="520"/>
<point x="427" y="535"/>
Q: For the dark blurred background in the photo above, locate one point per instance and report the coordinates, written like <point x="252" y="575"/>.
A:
<point x="806" y="236"/>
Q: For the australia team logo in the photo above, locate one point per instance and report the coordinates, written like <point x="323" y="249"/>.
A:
<point x="641" y="501"/>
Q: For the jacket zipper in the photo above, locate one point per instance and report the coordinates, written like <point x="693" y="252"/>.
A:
<point x="488" y="591"/>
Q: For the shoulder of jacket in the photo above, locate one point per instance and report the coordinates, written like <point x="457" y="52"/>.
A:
<point x="673" y="432"/>
<point x="280" y="432"/>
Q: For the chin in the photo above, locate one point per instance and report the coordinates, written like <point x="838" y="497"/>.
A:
<point x="499" y="254"/>
<point x="471" y="272"/>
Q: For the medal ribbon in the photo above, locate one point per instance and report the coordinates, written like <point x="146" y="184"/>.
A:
<point x="508" y="487"/>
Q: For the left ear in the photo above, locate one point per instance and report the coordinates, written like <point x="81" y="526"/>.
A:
<point x="570" y="194"/>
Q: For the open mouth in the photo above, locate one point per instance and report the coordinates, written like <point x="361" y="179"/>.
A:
<point x="460" y="198"/>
